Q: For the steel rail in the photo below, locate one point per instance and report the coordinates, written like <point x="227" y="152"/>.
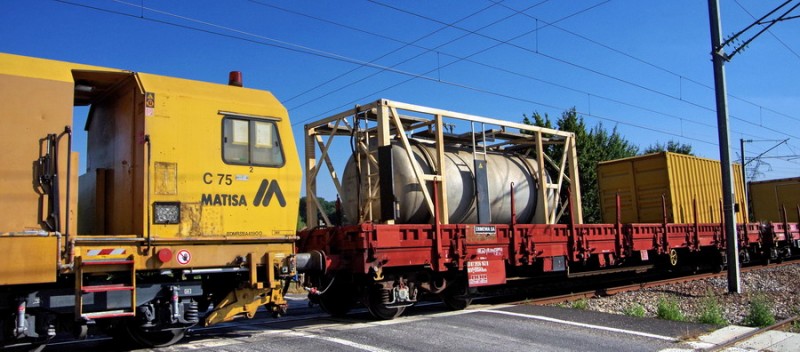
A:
<point x="748" y="335"/>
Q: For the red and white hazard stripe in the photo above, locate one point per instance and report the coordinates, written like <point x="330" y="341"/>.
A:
<point x="105" y="251"/>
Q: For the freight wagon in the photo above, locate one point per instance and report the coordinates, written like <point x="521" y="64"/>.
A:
<point x="429" y="209"/>
<point x="442" y="203"/>
<point x="188" y="201"/>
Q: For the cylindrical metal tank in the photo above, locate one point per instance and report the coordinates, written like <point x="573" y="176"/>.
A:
<point x="502" y="170"/>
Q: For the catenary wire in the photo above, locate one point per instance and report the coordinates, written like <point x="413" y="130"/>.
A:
<point x="301" y="49"/>
<point x="588" y="69"/>
<point x="439" y="68"/>
<point x="406" y="44"/>
<point x="427" y="50"/>
<point x="768" y="31"/>
<point x="320" y="53"/>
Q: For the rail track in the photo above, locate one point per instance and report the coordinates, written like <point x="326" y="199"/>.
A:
<point x="777" y="326"/>
<point x="306" y="315"/>
<point x="612" y="290"/>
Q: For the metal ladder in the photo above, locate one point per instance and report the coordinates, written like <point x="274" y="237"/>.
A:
<point x="124" y="265"/>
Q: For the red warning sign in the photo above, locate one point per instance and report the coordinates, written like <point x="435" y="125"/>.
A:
<point x="183" y="257"/>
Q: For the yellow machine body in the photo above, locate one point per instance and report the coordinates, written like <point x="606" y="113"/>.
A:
<point x="160" y="140"/>
<point x="37" y="101"/>
<point x="180" y="175"/>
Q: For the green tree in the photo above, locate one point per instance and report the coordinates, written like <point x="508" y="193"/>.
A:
<point x="671" y="146"/>
<point x="593" y="145"/>
<point x="328" y="206"/>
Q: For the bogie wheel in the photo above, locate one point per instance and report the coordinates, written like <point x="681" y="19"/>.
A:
<point x="159" y="338"/>
<point x="374" y="299"/>
<point x="455" y="296"/>
<point x="338" y="299"/>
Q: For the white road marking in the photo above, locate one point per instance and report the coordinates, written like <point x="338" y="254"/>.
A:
<point x="210" y="343"/>
<point x="590" y="326"/>
<point x="347" y="343"/>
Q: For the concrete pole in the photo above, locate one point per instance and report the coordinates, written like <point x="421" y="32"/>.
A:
<point x="718" y="55"/>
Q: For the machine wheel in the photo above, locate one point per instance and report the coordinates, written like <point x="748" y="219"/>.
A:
<point x="455" y="296"/>
<point x="161" y="338"/>
<point x="374" y="298"/>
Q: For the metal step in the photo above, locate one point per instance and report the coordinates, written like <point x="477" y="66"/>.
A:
<point x="106" y="288"/>
<point x="107" y="314"/>
<point x="105" y="265"/>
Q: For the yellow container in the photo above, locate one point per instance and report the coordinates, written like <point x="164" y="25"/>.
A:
<point x="681" y="179"/>
<point x="768" y="197"/>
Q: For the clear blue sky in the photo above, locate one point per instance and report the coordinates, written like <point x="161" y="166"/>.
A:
<point x="642" y="66"/>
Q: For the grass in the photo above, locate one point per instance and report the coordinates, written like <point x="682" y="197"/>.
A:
<point x="795" y="327"/>
<point x="581" y="304"/>
<point x="711" y="311"/>
<point x="760" y="313"/>
<point x="635" y="310"/>
<point x="668" y="310"/>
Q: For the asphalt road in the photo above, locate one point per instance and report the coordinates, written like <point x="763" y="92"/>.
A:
<point x="482" y="328"/>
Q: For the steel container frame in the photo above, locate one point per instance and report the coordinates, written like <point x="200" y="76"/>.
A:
<point x="384" y="121"/>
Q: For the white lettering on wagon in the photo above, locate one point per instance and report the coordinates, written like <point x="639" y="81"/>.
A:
<point x="478" y="266"/>
<point x="497" y="251"/>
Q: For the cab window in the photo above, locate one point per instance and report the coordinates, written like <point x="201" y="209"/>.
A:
<point x="250" y="141"/>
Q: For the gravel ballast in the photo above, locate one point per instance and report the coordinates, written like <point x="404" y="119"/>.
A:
<point x="779" y="285"/>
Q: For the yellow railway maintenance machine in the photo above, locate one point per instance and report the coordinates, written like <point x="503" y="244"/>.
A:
<point x="186" y="212"/>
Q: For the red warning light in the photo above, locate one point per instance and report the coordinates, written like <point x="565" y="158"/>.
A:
<point x="235" y="78"/>
<point x="164" y="255"/>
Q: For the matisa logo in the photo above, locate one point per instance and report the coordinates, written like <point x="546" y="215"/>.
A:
<point x="263" y="197"/>
<point x="266" y="191"/>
